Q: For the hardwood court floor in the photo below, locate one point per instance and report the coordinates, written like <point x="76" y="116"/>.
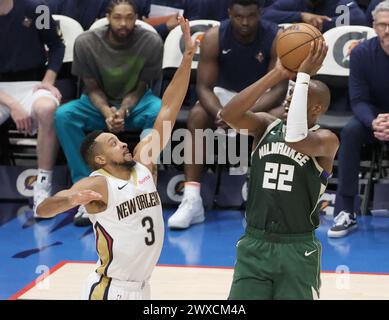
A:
<point x="200" y="258"/>
<point x="196" y="283"/>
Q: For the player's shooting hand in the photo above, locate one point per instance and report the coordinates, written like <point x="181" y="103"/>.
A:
<point x="284" y="73"/>
<point x="191" y="45"/>
<point x="84" y="197"/>
<point x="314" y="61"/>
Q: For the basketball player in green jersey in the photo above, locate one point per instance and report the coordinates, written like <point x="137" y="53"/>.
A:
<point x="279" y="256"/>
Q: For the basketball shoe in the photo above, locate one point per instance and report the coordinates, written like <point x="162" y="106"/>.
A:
<point x="42" y="191"/>
<point x="344" y="223"/>
<point x="190" y="211"/>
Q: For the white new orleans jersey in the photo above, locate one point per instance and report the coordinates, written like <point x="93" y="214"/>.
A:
<point x="129" y="233"/>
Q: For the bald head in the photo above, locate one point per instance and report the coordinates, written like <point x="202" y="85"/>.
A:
<point x="319" y="94"/>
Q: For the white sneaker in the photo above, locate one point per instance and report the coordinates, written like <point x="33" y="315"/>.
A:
<point x="81" y="218"/>
<point x="42" y="191"/>
<point x="344" y="223"/>
<point x="190" y="211"/>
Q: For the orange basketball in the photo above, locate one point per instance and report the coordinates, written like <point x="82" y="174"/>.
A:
<point x="294" y="43"/>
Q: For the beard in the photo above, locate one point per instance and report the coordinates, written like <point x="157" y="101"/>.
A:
<point x="118" y="38"/>
<point x="125" y="164"/>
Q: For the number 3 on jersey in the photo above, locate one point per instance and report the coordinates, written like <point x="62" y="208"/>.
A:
<point x="278" y="176"/>
<point x="150" y="230"/>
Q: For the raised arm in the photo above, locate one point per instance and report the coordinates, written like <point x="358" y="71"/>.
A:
<point x="237" y="112"/>
<point x="83" y="192"/>
<point x="320" y="143"/>
<point x="149" y="148"/>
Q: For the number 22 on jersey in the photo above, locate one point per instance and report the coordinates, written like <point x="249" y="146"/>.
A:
<point x="278" y="176"/>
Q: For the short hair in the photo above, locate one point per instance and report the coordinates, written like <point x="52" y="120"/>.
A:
<point x="382" y="6"/>
<point x="88" y="148"/>
<point x="115" y="3"/>
<point x="258" y="3"/>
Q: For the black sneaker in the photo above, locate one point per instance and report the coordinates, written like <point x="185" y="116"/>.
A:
<point x="81" y="218"/>
<point x="344" y="223"/>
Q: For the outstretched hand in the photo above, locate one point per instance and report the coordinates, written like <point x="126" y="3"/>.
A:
<point x="191" y="45"/>
<point x="314" y="61"/>
<point x="84" y="197"/>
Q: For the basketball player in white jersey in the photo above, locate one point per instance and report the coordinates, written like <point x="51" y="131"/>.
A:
<point x="121" y="198"/>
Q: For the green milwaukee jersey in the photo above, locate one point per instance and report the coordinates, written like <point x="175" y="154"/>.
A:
<point x="284" y="186"/>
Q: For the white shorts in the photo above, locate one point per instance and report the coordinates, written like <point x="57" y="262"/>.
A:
<point x="103" y="288"/>
<point x="224" y="95"/>
<point x="22" y="91"/>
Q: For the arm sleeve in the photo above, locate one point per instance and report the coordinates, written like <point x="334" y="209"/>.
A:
<point x="297" y="122"/>
<point x="284" y="11"/>
<point x="360" y="98"/>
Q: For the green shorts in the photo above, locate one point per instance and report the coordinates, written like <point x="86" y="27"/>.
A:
<point x="273" y="266"/>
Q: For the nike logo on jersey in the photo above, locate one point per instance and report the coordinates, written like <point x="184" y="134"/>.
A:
<point x="309" y="253"/>
<point x="226" y="51"/>
<point x="273" y="133"/>
<point x="120" y="188"/>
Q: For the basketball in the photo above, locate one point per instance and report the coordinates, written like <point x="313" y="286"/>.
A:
<point x="294" y="43"/>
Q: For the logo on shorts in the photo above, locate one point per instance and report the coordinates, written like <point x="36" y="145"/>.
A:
<point x="309" y="253"/>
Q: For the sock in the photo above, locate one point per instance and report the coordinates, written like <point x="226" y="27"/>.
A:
<point x="44" y="176"/>
<point x="192" y="189"/>
<point x="344" y="203"/>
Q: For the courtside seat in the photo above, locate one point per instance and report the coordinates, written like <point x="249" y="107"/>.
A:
<point x="104" y="21"/>
<point x="22" y="148"/>
<point x="335" y="70"/>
